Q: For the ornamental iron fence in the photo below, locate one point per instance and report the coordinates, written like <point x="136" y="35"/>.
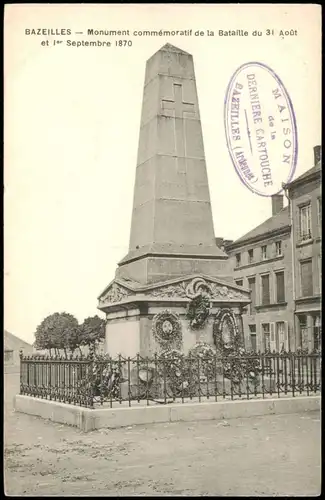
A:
<point x="98" y="380"/>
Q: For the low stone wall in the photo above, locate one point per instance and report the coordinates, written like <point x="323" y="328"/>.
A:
<point x="88" y="420"/>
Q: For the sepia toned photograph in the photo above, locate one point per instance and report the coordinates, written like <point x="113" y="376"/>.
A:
<point x="162" y="250"/>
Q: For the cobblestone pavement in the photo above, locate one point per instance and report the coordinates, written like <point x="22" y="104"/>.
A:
<point x="259" y="456"/>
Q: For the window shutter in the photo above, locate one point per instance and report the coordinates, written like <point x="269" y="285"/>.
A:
<point x="286" y="336"/>
<point x="306" y="278"/>
<point x="252" y="286"/>
<point x="265" y="289"/>
<point x="272" y="337"/>
<point x="280" y="288"/>
<point x="259" y="344"/>
<point x="280" y="335"/>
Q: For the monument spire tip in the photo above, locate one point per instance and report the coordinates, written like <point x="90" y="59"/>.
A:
<point x="171" y="48"/>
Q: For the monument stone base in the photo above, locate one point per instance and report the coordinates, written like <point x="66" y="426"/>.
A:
<point x="144" y="319"/>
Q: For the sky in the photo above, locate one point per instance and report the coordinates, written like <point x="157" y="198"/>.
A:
<point x="72" y="119"/>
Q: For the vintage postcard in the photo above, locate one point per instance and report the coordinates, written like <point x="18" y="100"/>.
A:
<point x="162" y="271"/>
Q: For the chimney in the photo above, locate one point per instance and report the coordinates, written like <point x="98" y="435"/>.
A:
<point x="277" y="203"/>
<point x="317" y="154"/>
<point x="226" y="244"/>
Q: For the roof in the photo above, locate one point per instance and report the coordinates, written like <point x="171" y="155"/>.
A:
<point x="305" y="175"/>
<point x="12" y="342"/>
<point x="279" y="221"/>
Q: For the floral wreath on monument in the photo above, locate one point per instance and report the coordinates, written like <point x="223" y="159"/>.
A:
<point x="167" y="330"/>
<point x="182" y="373"/>
<point x="206" y="353"/>
<point x="236" y="364"/>
<point x="198" y="311"/>
<point x="233" y="344"/>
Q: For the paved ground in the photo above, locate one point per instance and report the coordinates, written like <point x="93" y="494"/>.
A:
<point x="272" y="455"/>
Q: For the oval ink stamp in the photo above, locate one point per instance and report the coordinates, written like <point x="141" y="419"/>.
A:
<point x="260" y="129"/>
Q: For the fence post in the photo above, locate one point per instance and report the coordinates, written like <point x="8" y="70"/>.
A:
<point x="35" y="379"/>
<point x="119" y="373"/>
<point x="263" y="368"/>
<point x="129" y="380"/>
<point x="91" y="377"/>
<point x="138" y="371"/>
<point x="293" y="367"/>
<point x="21" y="371"/>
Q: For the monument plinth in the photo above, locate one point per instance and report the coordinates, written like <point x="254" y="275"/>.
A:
<point x="172" y="243"/>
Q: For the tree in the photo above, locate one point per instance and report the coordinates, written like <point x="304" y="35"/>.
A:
<point x="92" y="331"/>
<point x="75" y="339"/>
<point x="55" y="332"/>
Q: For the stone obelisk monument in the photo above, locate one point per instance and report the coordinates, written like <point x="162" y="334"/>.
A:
<point x="173" y="256"/>
<point x="172" y="228"/>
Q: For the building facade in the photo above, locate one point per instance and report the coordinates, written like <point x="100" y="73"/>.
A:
<point x="12" y="347"/>
<point x="261" y="261"/>
<point x="304" y="194"/>
<point x="280" y="262"/>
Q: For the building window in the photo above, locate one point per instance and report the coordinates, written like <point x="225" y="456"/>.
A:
<point x="305" y="222"/>
<point x="252" y="332"/>
<point x="263" y="252"/>
<point x="238" y="259"/>
<point x="265" y="281"/>
<point x="252" y="287"/>
<point x="266" y="336"/>
<point x="278" y="248"/>
<point x="8" y="356"/>
<point x="303" y="331"/>
<point x="280" y="336"/>
<point x="280" y="289"/>
<point x="306" y="276"/>
<point x="250" y="256"/>
<point x="239" y="282"/>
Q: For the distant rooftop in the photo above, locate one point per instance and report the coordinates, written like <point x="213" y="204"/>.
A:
<point x="13" y="342"/>
<point x="311" y="172"/>
<point x="278" y="221"/>
<point x="305" y="175"/>
<point x="281" y="219"/>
